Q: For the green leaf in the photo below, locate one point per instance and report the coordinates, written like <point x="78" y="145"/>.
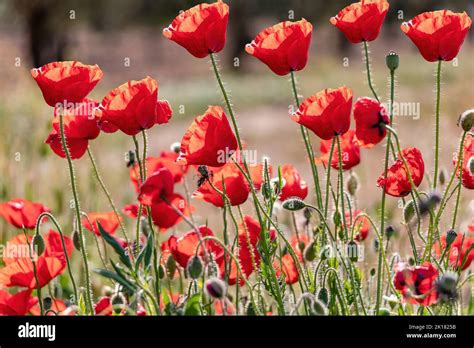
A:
<point x="115" y="245"/>
<point x="192" y="305"/>
<point x="116" y="277"/>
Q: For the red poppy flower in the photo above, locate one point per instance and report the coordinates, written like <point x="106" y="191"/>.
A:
<point x="131" y="210"/>
<point x="283" y="47"/>
<point x="78" y="120"/>
<point x="21" y="213"/>
<point x="184" y="247"/>
<point x="133" y="107"/>
<point x="288" y="267"/>
<point x="370" y="118"/>
<point x="17" y="304"/>
<point x="457" y="251"/>
<point x="77" y="146"/>
<point x="467" y="178"/>
<point x="257" y="173"/>
<point x="237" y="188"/>
<point x="417" y="283"/>
<point x="327" y="113"/>
<point x="397" y="183"/>
<point x="361" y="21"/>
<point x="201" y="29"/>
<point x="66" y="81"/>
<point x="18" y="270"/>
<point x="164" y="216"/>
<point x="209" y="140"/>
<point x="350" y="151"/>
<point x="104" y="306"/>
<point x="438" y="35"/>
<point x="166" y="159"/>
<point x="156" y="187"/>
<point x="361" y="229"/>
<point x="293" y="185"/>
<point x="108" y="221"/>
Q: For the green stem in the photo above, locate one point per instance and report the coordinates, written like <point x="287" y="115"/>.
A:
<point x="77" y="209"/>
<point x="367" y="66"/>
<point x="328" y="178"/>
<point x="438" y="98"/>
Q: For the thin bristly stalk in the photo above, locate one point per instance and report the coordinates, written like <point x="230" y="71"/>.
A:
<point x="367" y="66"/>
<point x="77" y="209"/>
<point x="308" y="146"/>
<point x="107" y="193"/>
<point x="35" y="273"/>
<point x="438" y="99"/>
<point x="328" y="178"/>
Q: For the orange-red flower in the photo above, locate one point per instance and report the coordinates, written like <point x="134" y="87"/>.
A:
<point x="293" y="185"/>
<point x="287" y="265"/>
<point x="157" y="187"/>
<point x="236" y="187"/>
<point x="370" y="118"/>
<point x="164" y="216"/>
<point x="327" y="113"/>
<point x="21" y="213"/>
<point x="417" y="284"/>
<point x="397" y="183"/>
<point x="361" y="21"/>
<point x="166" y="159"/>
<point x="209" y="140"/>
<point x="438" y="35"/>
<point x="201" y="29"/>
<point x="77" y="146"/>
<point x="362" y="225"/>
<point x="467" y="178"/>
<point x="108" y="221"/>
<point x="18" y="270"/>
<point x="257" y="173"/>
<point x="350" y="151"/>
<point x="458" y="251"/>
<point x="283" y="47"/>
<point x="133" y="107"/>
<point x="17" y="304"/>
<point x="62" y="82"/>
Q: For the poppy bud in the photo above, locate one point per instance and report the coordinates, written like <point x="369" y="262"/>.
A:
<point x="470" y="165"/>
<point x="326" y="252"/>
<point x="307" y="214"/>
<point x="466" y="120"/>
<point x="251" y="310"/>
<point x="450" y="237"/>
<point x="310" y="252"/>
<point x="47" y="303"/>
<point x="215" y="288"/>
<point x="409" y="211"/>
<point x="337" y="218"/>
<point x="353" y="251"/>
<point x="442" y="176"/>
<point x="319" y="308"/>
<point x="390" y="231"/>
<point x="145" y="226"/>
<point x="384" y="312"/>
<point x="411" y="261"/>
<point x="429" y="203"/>
<point x="323" y="295"/>
<point x="194" y="267"/>
<point x="352" y="184"/>
<point x="76" y="240"/>
<point x="131" y="159"/>
<point x="38" y="244"/>
<point x="293" y="204"/>
<point x="393" y="60"/>
<point x="372" y="272"/>
<point x="176" y="147"/>
<point x="446" y="287"/>
<point x="161" y="272"/>
<point x="170" y="266"/>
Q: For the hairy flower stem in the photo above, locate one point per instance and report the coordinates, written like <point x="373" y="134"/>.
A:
<point x="309" y="148"/>
<point x="328" y="178"/>
<point x="237" y="134"/>
<point x="106" y="192"/>
<point x="438" y="99"/>
<point x="35" y="273"/>
<point x="77" y="209"/>
<point x="341" y="179"/>
<point x="367" y="66"/>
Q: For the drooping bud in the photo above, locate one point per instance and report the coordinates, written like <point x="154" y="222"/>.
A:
<point x="76" y="240"/>
<point x="307" y="214"/>
<point x="161" y="272"/>
<point x="352" y="184"/>
<point x="310" y="252"/>
<point x="450" y="237"/>
<point x="215" y="288"/>
<point x="372" y="272"/>
<point x="466" y="120"/>
<point x="326" y="252"/>
<point x="47" y="303"/>
<point x="409" y="211"/>
<point x="446" y="287"/>
<point x="195" y="267"/>
<point x="390" y="231"/>
<point x="294" y="204"/>
<point x="170" y="266"/>
<point x="319" y="308"/>
<point x="353" y="251"/>
<point x="38" y="244"/>
<point x="323" y="295"/>
<point x="130" y="158"/>
<point x="429" y="203"/>
<point x="442" y="176"/>
<point x="393" y="60"/>
<point x="175" y="147"/>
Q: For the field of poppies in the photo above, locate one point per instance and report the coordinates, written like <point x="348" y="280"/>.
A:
<point x="285" y="244"/>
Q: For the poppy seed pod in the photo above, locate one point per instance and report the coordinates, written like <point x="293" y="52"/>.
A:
<point x="310" y="252"/>
<point x="293" y="204"/>
<point x="319" y="308"/>
<point x="76" y="240"/>
<point x="390" y="231"/>
<point x="466" y="120"/>
<point x="393" y="60"/>
<point x="194" y="267"/>
<point x="38" y="244"/>
<point x="215" y="288"/>
<point x="352" y="184"/>
<point x="47" y="303"/>
<point x="442" y="176"/>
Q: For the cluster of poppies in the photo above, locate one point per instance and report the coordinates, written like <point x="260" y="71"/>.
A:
<point x="211" y="147"/>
